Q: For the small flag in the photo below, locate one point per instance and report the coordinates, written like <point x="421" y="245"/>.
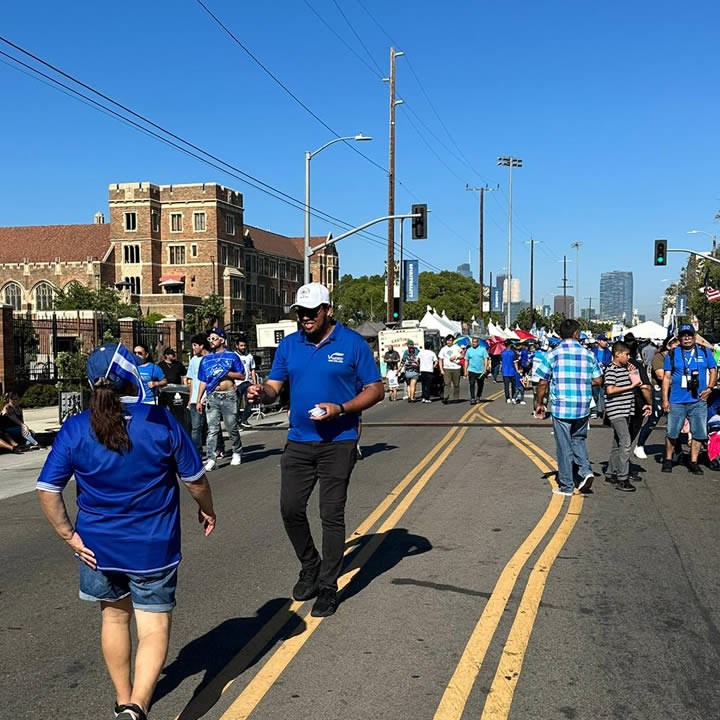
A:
<point x="123" y="365"/>
<point x="711" y="293"/>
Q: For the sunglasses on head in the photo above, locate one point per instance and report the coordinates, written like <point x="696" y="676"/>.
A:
<point x="308" y="312"/>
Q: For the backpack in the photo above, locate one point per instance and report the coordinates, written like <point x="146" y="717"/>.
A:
<point x="672" y="357"/>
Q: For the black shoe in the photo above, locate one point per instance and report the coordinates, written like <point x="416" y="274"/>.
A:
<point x="326" y="603"/>
<point x="131" y="712"/>
<point x="586" y="483"/>
<point x="612" y="479"/>
<point x="307" y="585"/>
<point x="245" y="424"/>
<point x="695" y="469"/>
<point x="16" y="450"/>
<point x="625" y="486"/>
<point x="667" y="466"/>
<point x="444" y="402"/>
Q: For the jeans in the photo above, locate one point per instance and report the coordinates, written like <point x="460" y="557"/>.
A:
<point x="426" y="379"/>
<point x="473" y="380"/>
<point x="222" y="404"/>
<point x="452" y="377"/>
<point x="241" y="390"/>
<point x="18" y="434"/>
<point x="652" y="420"/>
<point x="197" y="425"/>
<point x="495" y="367"/>
<point x="619" y="463"/>
<point x="598" y="394"/>
<point x="570" y="447"/>
<point x="303" y="465"/>
<point x="509" y="383"/>
<point x="519" y="392"/>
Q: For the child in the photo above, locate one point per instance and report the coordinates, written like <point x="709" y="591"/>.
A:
<point x="621" y="379"/>
<point x="519" y="394"/>
<point x="392" y="381"/>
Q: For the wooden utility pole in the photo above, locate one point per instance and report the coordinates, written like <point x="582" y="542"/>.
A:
<point x="564" y="286"/>
<point x="481" y="248"/>
<point x="391" y="194"/>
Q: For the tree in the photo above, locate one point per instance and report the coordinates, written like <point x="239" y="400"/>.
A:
<point x="356" y="300"/>
<point x="446" y="291"/>
<point x="209" y="314"/>
<point x="77" y="296"/>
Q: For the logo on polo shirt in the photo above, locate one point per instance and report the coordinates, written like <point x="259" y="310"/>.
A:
<point x="337" y="357"/>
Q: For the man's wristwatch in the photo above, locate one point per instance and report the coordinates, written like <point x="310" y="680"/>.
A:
<point x="342" y="410"/>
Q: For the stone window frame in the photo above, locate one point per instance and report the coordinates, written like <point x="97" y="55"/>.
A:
<point x="18" y="294"/>
<point x="127" y="221"/>
<point x="229" y="224"/>
<point x="46" y="297"/>
<point x="154" y="221"/>
<point x="196" y="215"/>
<point x="173" y="215"/>
<point x="194" y="250"/>
<point x="176" y="247"/>
<point x="128" y="249"/>
<point x="135" y="284"/>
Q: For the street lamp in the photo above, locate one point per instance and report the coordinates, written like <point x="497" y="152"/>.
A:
<point x="703" y="232"/>
<point x="308" y="157"/>
<point x="509" y="162"/>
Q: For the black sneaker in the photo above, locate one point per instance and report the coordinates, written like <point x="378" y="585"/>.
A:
<point x="307" y="585"/>
<point x="586" y="483"/>
<point x="326" y="603"/>
<point x="667" y="466"/>
<point x="245" y="424"/>
<point x="612" y="479"/>
<point x="625" y="486"/>
<point x="131" y="712"/>
<point x="695" y="469"/>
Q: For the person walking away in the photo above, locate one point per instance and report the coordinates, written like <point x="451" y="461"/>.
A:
<point x="690" y="375"/>
<point x="332" y="378"/>
<point x="569" y="371"/>
<point x="507" y="365"/>
<point x="152" y="376"/>
<point x="173" y="370"/>
<point x="410" y="365"/>
<point x="200" y="348"/>
<point x="620" y="383"/>
<point x="657" y="372"/>
<point x="519" y="392"/>
<point x="604" y="358"/>
<point x="428" y="362"/>
<point x="216" y="377"/>
<point x="241" y="386"/>
<point x="126" y="459"/>
<point x="14" y="421"/>
<point x="478" y="363"/>
<point x="495" y="365"/>
<point x="450" y="369"/>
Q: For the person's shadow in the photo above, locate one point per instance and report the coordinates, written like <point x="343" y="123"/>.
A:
<point x="368" y="450"/>
<point x="225" y="652"/>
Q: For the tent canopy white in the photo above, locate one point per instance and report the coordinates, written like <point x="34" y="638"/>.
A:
<point x="649" y="330"/>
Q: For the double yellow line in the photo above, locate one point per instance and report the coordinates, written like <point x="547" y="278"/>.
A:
<point x="500" y="696"/>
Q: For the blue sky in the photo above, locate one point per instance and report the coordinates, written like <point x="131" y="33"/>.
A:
<point x="612" y="107"/>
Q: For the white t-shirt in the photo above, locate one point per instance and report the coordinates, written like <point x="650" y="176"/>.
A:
<point x="450" y="356"/>
<point x="392" y="378"/>
<point x="248" y="362"/>
<point x="427" y="360"/>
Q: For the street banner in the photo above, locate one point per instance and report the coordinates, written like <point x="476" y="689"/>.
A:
<point x="411" y="280"/>
<point x="682" y="305"/>
<point x="496" y="299"/>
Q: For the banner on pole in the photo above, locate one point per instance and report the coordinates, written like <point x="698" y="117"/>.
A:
<point x="411" y="280"/>
<point x="496" y="299"/>
<point x="682" y="305"/>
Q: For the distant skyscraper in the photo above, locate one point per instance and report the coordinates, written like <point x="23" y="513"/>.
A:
<point x="616" y="295"/>
<point x="501" y="282"/>
<point x="465" y="270"/>
<point x="563" y="301"/>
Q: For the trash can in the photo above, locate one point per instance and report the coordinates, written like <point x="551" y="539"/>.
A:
<point x="175" y="398"/>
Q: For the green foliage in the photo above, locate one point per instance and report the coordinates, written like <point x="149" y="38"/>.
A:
<point x="357" y="300"/>
<point x="210" y="314"/>
<point x="445" y="291"/>
<point x="77" y="296"/>
<point x="152" y="318"/>
<point x="39" y="395"/>
<point x="72" y="370"/>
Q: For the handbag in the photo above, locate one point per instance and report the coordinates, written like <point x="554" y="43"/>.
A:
<point x="401" y="376"/>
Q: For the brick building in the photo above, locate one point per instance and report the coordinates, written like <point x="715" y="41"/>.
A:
<point x="167" y="247"/>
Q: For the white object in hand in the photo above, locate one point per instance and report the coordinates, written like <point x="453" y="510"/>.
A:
<point x="317" y="412"/>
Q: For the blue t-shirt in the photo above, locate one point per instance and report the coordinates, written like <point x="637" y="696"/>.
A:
<point x="525" y="358"/>
<point x="334" y="371"/>
<point x="696" y="359"/>
<point x="507" y="358"/>
<point x="602" y="355"/>
<point x="475" y="359"/>
<point x="128" y="504"/>
<point x="148" y="372"/>
<point x="215" y="366"/>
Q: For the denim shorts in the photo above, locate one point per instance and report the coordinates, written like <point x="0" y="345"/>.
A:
<point x="695" y="412"/>
<point x="149" y="593"/>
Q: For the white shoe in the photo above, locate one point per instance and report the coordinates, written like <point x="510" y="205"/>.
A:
<point x="236" y="459"/>
<point x="522" y="402"/>
<point x="640" y="453"/>
<point x="508" y="402"/>
<point x="210" y="465"/>
<point x="558" y="491"/>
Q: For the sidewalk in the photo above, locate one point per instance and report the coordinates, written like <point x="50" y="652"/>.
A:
<point x="18" y="473"/>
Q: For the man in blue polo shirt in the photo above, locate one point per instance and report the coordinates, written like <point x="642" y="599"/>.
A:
<point x="333" y="378"/>
<point x="690" y="376"/>
<point x="604" y="358"/>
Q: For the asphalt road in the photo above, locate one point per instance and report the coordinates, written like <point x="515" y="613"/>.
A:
<point x="471" y="591"/>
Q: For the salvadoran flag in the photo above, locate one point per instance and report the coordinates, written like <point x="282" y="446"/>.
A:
<point x="123" y="365"/>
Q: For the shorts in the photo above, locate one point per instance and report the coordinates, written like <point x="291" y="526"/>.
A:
<point x="392" y="379"/>
<point x="412" y="374"/>
<point x="694" y="412"/>
<point x="149" y="593"/>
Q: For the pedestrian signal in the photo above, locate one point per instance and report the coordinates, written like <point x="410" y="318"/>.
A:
<point x="419" y="224"/>
<point x="661" y="252"/>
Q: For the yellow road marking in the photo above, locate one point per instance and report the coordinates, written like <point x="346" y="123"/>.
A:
<point x="500" y="697"/>
<point x="258" y="687"/>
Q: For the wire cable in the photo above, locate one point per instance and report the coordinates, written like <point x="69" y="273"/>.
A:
<point x="357" y="37"/>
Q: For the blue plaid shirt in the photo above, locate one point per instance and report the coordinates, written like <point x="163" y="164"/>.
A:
<point x="570" y="370"/>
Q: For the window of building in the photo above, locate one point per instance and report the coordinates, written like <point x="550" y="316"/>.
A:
<point x="282" y="270"/>
<point x="247" y="262"/>
<point x="223" y="255"/>
<point x="131" y="254"/>
<point x="134" y="283"/>
<point x="177" y="254"/>
<point x="236" y="257"/>
<point x="284" y="297"/>
<point x="236" y="288"/>
<point x="193" y="250"/>
<point x="155" y="222"/>
<point x="176" y="222"/>
<point x="252" y="293"/>
<point x="230" y="224"/>
<point x="130" y="221"/>
<point x="13" y="296"/>
<point x="253" y="263"/>
<point x="199" y="222"/>
<point x="273" y="271"/>
<point x="44" y="296"/>
<point x="261" y="294"/>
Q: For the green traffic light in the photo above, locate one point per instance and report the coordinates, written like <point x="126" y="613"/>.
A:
<point x="661" y="259"/>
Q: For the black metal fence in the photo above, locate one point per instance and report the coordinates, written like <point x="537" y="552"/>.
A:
<point x="153" y="337"/>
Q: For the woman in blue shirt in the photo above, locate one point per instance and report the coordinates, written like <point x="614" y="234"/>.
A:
<point x="126" y="457"/>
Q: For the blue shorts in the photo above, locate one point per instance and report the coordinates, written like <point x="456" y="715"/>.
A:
<point x="695" y="412"/>
<point x="149" y="593"/>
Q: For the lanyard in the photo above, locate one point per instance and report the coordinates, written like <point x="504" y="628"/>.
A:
<point x="693" y="354"/>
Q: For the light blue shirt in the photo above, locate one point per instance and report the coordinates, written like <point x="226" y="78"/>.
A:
<point x="192" y="374"/>
<point x="475" y="358"/>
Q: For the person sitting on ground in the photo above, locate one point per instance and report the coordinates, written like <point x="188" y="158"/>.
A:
<point x="14" y="422"/>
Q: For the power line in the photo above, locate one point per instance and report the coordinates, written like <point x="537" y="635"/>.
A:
<point x="357" y="37"/>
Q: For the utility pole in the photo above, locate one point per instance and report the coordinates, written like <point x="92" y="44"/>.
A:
<point x="391" y="188"/>
<point x="565" y="286"/>
<point x="578" y="303"/>
<point x="532" y="278"/>
<point x="481" y="250"/>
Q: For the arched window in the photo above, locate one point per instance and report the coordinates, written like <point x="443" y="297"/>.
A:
<point x="44" y="296"/>
<point x="13" y="296"/>
<point x="134" y="283"/>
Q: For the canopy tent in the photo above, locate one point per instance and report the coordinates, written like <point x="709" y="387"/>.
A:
<point x="649" y="330"/>
<point x="370" y="330"/>
<point x="454" y="327"/>
<point x="511" y="334"/>
<point x="495" y="330"/>
<point x="431" y="321"/>
<point x="523" y="335"/>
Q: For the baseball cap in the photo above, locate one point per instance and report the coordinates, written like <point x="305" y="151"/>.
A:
<point x="217" y="331"/>
<point x="99" y="362"/>
<point x="311" y="296"/>
<point x="684" y="329"/>
<point x="410" y="342"/>
<point x="601" y="336"/>
<point x="169" y="351"/>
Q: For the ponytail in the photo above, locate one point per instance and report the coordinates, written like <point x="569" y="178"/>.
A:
<point x="107" y="418"/>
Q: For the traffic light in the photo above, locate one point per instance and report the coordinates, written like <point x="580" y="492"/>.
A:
<point x="419" y="224"/>
<point x="661" y="252"/>
<point x="396" y="309"/>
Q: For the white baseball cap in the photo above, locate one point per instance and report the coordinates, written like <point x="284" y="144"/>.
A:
<point x="311" y="296"/>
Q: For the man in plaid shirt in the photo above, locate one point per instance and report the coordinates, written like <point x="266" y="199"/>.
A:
<point x="571" y="371"/>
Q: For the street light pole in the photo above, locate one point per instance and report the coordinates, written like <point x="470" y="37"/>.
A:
<point x="577" y="246"/>
<point x="509" y="162"/>
<point x="306" y="236"/>
<point x="481" y="249"/>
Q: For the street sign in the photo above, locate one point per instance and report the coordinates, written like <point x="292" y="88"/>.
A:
<point x="682" y="305"/>
<point x="410" y="276"/>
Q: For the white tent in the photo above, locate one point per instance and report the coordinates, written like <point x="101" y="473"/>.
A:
<point x="454" y="327"/>
<point x="430" y="321"/>
<point x="495" y="330"/>
<point x="648" y="331"/>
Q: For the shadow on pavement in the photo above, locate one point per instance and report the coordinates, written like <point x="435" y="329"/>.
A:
<point x="368" y="450"/>
<point x="223" y="654"/>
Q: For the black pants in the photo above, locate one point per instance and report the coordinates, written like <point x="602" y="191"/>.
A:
<point x="509" y="383"/>
<point x="478" y="378"/>
<point x="302" y="465"/>
<point x="426" y="378"/>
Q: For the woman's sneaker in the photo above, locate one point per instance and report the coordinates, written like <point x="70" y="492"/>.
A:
<point x="640" y="453"/>
<point x="130" y="712"/>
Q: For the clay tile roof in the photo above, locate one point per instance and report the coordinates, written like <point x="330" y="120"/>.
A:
<point x="280" y="244"/>
<point x="44" y="243"/>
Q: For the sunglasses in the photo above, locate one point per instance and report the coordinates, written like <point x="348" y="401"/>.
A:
<point x="308" y="312"/>
<point x="141" y="353"/>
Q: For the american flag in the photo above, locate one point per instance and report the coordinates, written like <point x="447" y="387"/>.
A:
<point x="711" y="293"/>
